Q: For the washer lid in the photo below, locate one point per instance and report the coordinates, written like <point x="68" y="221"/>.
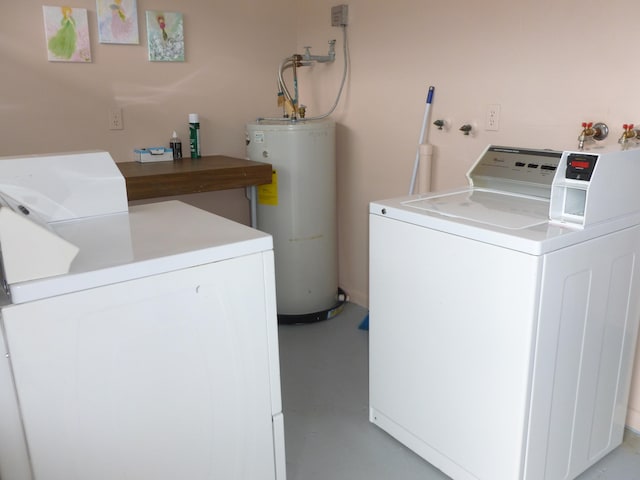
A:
<point x="509" y="220"/>
<point x="487" y="207"/>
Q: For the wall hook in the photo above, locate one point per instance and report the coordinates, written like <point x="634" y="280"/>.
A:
<point x="440" y="124"/>
<point x="466" y="128"/>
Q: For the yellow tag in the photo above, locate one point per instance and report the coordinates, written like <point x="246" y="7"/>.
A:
<point x="268" y="194"/>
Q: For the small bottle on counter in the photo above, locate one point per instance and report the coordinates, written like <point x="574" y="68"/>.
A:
<point x="175" y="144"/>
<point x="194" y="135"/>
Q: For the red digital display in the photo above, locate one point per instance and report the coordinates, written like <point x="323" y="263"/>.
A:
<point x="580" y="167"/>
<point x="580" y="164"/>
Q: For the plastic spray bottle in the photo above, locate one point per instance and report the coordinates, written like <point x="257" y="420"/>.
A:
<point x="194" y="135"/>
<point x="175" y="144"/>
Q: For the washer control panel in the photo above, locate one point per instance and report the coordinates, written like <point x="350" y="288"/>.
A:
<point x="517" y="170"/>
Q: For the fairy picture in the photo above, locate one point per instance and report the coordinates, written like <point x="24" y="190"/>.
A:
<point x="67" y="34"/>
<point x="117" y="21"/>
<point x="165" y="36"/>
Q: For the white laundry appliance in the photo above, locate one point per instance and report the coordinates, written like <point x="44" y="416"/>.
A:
<point x="504" y="315"/>
<point x="136" y="343"/>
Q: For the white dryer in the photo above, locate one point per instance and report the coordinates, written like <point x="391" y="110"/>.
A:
<point x="504" y="315"/>
<point x="136" y="343"/>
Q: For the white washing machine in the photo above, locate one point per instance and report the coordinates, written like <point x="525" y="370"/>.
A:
<point x="136" y="343"/>
<point x="504" y="315"/>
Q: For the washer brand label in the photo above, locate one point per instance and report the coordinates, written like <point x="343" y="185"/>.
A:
<point x="258" y="137"/>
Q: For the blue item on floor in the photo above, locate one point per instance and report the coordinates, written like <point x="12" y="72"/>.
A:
<point x="364" y="325"/>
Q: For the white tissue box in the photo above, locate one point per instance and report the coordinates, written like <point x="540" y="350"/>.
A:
<point x="153" y="154"/>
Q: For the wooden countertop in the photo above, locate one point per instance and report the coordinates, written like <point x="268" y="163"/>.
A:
<point x="206" y="174"/>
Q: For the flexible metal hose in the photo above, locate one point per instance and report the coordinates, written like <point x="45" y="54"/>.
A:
<point x="296" y="60"/>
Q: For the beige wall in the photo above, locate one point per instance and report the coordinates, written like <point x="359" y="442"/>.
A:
<point x="549" y="64"/>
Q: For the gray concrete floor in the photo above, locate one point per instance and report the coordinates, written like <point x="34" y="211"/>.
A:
<point x="324" y="371"/>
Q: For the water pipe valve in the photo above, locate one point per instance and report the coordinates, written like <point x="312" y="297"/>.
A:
<point x="585" y="134"/>
<point x="329" y="57"/>
<point x="628" y="133"/>
<point x="591" y="132"/>
<point x="466" y="129"/>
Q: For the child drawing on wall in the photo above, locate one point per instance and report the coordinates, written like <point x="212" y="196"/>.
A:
<point x="63" y="43"/>
<point x="165" y="35"/>
<point x="117" y="21"/>
<point x="67" y="34"/>
<point x="120" y="23"/>
<point x="163" y="26"/>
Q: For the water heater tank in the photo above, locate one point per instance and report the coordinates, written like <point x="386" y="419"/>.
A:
<point x="299" y="210"/>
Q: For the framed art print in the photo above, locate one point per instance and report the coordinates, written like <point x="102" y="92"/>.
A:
<point x="118" y="21"/>
<point x="165" y="36"/>
<point x="67" y="34"/>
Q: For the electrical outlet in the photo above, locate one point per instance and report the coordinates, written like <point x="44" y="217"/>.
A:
<point x="493" y="118"/>
<point x="115" y="119"/>
<point x="339" y="15"/>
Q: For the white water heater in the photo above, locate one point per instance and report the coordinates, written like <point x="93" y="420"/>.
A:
<point x="299" y="210"/>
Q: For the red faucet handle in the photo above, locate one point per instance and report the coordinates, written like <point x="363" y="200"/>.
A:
<point x="584" y="124"/>
<point x="590" y="124"/>
<point x="625" y="127"/>
<point x="630" y="126"/>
